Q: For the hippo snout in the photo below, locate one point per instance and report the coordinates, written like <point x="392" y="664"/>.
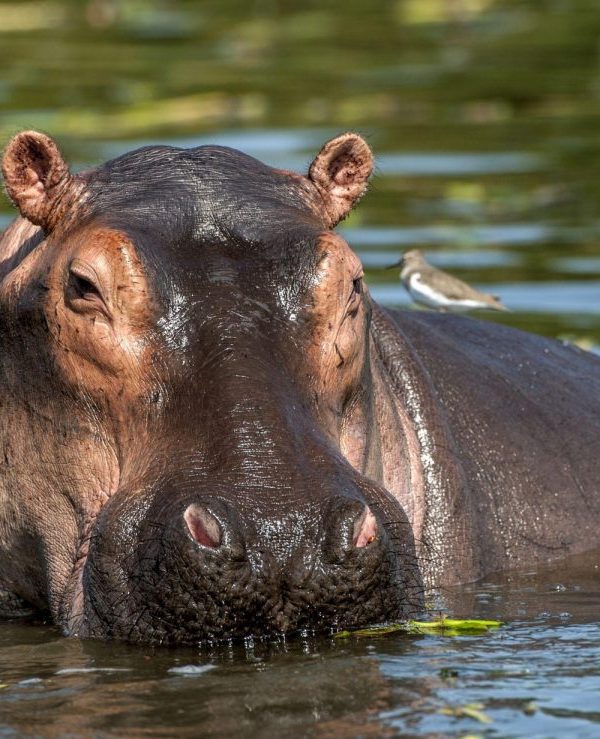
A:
<point x="186" y="571"/>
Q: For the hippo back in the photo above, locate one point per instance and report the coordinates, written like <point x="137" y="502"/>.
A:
<point x="523" y="416"/>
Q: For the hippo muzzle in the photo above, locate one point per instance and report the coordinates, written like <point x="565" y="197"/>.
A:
<point x="184" y="569"/>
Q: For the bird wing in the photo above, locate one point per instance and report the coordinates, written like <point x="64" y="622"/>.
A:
<point x="455" y="289"/>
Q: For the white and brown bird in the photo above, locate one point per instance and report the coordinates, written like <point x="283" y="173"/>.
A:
<point x="436" y="289"/>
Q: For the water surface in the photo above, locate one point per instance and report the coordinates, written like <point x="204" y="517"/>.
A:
<point x="536" y="676"/>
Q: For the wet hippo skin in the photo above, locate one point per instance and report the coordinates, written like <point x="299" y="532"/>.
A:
<point x="210" y="430"/>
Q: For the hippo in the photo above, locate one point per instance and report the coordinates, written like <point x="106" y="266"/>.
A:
<point x="210" y="430"/>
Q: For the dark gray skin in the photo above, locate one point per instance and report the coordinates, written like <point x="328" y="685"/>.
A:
<point x="211" y="431"/>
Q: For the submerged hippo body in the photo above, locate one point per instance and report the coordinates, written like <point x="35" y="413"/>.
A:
<point x="208" y="428"/>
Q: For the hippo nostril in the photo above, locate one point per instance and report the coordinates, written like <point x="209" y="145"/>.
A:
<point x="203" y="526"/>
<point x="351" y="525"/>
<point x="365" y="528"/>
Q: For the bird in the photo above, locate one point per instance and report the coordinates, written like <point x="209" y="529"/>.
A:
<point x="436" y="289"/>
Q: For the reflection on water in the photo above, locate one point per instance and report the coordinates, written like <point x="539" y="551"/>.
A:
<point x="444" y="259"/>
<point x="484" y="117"/>
<point x="502" y="234"/>
<point x="456" y="165"/>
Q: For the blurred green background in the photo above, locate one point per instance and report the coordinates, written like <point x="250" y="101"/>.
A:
<point x="483" y="115"/>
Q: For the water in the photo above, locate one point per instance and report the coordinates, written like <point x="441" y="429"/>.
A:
<point x="536" y="676"/>
<point x="484" y="117"/>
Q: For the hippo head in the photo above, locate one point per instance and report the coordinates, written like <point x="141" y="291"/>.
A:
<point x="188" y="412"/>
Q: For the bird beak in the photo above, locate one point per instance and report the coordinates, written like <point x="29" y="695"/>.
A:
<point x="399" y="263"/>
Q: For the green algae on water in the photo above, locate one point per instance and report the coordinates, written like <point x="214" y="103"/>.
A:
<point x="469" y="710"/>
<point x="443" y="626"/>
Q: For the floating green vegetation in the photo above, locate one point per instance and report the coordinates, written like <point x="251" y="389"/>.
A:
<point x="469" y="710"/>
<point x="443" y="626"/>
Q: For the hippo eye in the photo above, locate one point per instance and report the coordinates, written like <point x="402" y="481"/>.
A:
<point x="354" y="299"/>
<point x="83" y="293"/>
<point x="83" y="288"/>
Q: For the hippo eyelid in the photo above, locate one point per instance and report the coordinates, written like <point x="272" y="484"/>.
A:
<point x="84" y="287"/>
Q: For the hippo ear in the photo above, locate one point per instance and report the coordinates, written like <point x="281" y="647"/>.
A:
<point x="341" y="171"/>
<point x="36" y="176"/>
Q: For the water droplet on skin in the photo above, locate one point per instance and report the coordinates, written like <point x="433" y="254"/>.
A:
<point x="190" y="670"/>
